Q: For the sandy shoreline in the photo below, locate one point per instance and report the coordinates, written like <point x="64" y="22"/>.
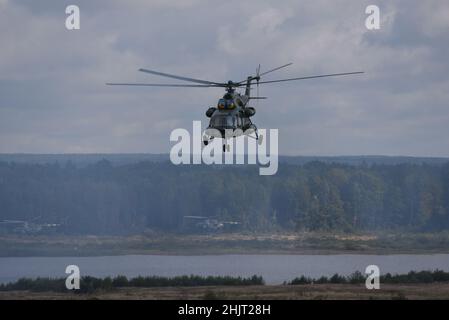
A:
<point x="220" y="244"/>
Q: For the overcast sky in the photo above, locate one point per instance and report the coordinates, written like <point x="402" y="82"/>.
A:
<point x="53" y="98"/>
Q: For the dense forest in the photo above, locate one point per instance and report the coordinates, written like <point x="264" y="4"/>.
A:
<point x="102" y="198"/>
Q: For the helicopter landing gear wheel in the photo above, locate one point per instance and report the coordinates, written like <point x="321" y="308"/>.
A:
<point x="207" y="139"/>
<point x="224" y="148"/>
<point x="260" y="140"/>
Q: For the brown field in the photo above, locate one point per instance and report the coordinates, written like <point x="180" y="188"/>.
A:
<point x="267" y="292"/>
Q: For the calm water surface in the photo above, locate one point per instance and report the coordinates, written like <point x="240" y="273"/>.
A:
<point x="274" y="268"/>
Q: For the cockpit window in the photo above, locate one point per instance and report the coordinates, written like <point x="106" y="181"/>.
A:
<point x="221" y="104"/>
<point x="225" y="104"/>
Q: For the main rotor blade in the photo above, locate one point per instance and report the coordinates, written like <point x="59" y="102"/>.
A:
<point x="285" y="65"/>
<point x="312" y="77"/>
<point x="264" y="73"/>
<point x="178" y="77"/>
<point x="164" y="85"/>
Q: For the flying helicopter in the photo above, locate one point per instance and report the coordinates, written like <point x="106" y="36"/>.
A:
<point x="232" y="115"/>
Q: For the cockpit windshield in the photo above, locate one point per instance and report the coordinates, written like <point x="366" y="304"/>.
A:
<point x="225" y="104"/>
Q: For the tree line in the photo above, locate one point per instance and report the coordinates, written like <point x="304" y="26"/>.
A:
<point x="89" y="284"/>
<point x="357" y="277"/>
<point x="105" y="199"/>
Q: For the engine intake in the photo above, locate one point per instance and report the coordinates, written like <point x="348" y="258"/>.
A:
<point x="250" y="111"/>
<point x="210" y="112"/>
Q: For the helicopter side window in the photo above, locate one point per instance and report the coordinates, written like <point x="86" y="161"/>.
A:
<point x="239" y="102"/>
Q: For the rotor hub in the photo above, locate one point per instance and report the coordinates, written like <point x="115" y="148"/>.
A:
<point x="230" y="86"/>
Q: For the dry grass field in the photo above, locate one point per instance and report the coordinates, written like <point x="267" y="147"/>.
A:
<point x="267" y="292"/>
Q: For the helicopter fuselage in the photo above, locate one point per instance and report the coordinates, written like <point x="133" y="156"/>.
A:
<point x="231" y="117"/>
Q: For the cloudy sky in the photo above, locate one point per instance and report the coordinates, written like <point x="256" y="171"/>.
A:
<point x="53" y="98"/>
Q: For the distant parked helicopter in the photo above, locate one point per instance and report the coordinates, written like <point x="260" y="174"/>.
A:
<point x="232" y="111"/>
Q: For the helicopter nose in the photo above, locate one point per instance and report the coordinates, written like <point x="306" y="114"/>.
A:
<point x="214" y="132"/>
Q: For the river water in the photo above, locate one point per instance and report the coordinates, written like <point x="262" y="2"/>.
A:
<point x="275" y="269"/>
